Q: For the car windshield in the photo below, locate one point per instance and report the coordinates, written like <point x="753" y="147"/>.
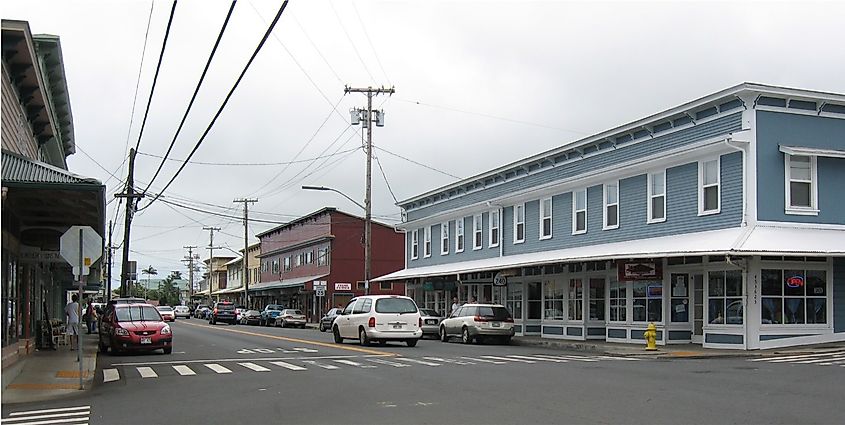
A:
<point x="428" y="312"/>
<point x="137" y="313"/>
<point x="165" y="308"/>
<point x="395" y="305"/>
<point x="497" y="313"/>
<point x="225" y="306"/>
<point x="293" y="312"/>
<point x="274" y="307"/>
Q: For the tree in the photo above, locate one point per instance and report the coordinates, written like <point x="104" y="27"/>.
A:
<point x="168" y="291"/>
<point x="148" y="271"/>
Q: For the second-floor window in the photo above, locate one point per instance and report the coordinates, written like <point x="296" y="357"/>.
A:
<point x="309" y="257"/>
<point x="444" y="238"/>
<point x="657" y="197"/>
<point x="708" y="187"/>
<point x="476" y="231"/>
<point x="459" y="235"/>
<point x="288" y="260"/>
<point x="611" y="205"/>
<point x="546" y="218"/>
<point x="427" y="241"/>
<point x="801" y="189"/>
<point x="415" y="244"/>
<point x="299" y="259"/>
<point x="276" y="266"/>
<point x="519" y="223"/>
<point x="494" y="228"/>
<point x="322" y="256"/>
<point x="579" y="211"/>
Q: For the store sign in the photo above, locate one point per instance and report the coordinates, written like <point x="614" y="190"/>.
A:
<point x="30" y="254"/>
<point x="639" y="270"/>
<point x="342" y="286"/>
<point x="795" y="281"/>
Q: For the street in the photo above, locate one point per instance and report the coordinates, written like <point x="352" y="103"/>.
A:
<point x="249" y="374"/>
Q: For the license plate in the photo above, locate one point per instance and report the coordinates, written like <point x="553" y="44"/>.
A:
<point x="430" y="322"/>
<point x="496" y="324"/>
<point x="397" y="326"/>
<point x="146" y="340"/>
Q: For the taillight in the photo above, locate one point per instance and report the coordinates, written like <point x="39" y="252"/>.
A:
<point x="419" y="323"/>
<point x="509" y="320"/>
<point x="372" y="322"/>
<point x="480" y="319"/>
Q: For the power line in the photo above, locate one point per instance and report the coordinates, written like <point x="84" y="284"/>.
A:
<point x="367" y="36"/>
<point x="248" y="164"/>
<point x="225" y="101"/>
<point x="373" y="79"/>
<point x="196" y="91"/>
<point x="415" y="162"/>
<point x="390" y="189"/>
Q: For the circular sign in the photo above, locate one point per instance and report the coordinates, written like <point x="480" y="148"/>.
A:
<point x="795" y="281"/>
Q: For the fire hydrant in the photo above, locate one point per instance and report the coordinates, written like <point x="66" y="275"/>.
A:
<point x="650" y="337"/>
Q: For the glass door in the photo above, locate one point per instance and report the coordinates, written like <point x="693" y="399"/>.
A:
<point x="697" y="281"/>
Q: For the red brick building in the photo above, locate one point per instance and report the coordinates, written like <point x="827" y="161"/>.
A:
<point x="327" y="245"/>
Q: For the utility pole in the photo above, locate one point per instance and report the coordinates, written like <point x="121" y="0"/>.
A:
<point x="190" y="259"/>
<point x="211" y="249"/>
<point x="109" y="262"/>
<point x="245" y="258"/>
<point x="368" y="121"/>
<point x="130" y="196"/>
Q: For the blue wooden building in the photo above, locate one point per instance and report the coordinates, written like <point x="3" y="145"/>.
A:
<point x="721" y="220"/>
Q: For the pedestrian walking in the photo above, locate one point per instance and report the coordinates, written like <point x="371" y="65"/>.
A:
<point x="91" y="318"/>
<point x="455" y="305"/>
<point x="72" y="315"/>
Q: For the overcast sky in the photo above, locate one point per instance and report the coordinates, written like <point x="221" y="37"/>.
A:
<point x="478" y="84"/>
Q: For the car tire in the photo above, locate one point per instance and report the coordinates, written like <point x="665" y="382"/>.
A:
<point x="168" y="350"/>
<point x="444" y="337"/>
<point x="322" y="328"/>
<point x="465" y="336"/>
<point x="506" y="340"/>
<point x="283" y="325"/>
<point x="411" y="342"/>
<point x="337" y="338"/>
<point x="363" y="338"/>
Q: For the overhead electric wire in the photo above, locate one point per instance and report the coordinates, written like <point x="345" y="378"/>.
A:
<point x="367" y="36"/>
<point x="194" y="96"/>
<point x="246" y="164"/>
<point x="225" y="101"/>
<point x="355" y="49"/>
<point x="415" y="162"/>
<point x="158" y="69"/>
<point x="390" y="189"/>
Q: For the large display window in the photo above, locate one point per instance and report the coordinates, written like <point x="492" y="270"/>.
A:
<point x="724" y="298"/>
<point x="647" y="301"/>
<point x="794" y="296"/>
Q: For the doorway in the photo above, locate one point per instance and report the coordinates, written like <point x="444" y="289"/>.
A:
<point x="697" y="308"/>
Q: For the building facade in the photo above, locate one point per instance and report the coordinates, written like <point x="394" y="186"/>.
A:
<point x="717" y="220"/>
<point x="235" y="290"/>
<point x="325" y="246"/>
<point x="217" y="276"/>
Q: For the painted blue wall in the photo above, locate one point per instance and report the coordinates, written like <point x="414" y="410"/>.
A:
<point x="779" y="128"/>
<point x="839" y="294"/>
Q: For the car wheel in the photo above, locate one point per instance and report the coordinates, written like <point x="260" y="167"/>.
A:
<point x="284" y="324"/>
<point x="506" y="340"/>
<point x="444" y="337"/>
<point x="411" y="342"/>
<point x="337" y="338"/>
<point x="168" y="350"/>
<point x="363" y="338"/>
<point x="465" y="338"/>
<point x="322" y="328"/>
<point x="103" y="347"/>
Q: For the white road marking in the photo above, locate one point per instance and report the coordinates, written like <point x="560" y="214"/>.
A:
<point x="324" y="366"/>
<point x="422" y="362"/>
<point x="544" y="359"/>
<point x="821" y="360"/>
<point x="288" y="366"/>
<point x="574" y="358"/>
<point x="254" y="367"/>
<point x="61" y="409"/>
<point x="240" y="359"/>
<point x="147" y="372"/>
<point x="483" y="360"/>
<point x="838" y="362"/>
<point x="356" y="364"/>
<point x="508" y="359"/>
<point x="110" y="375"/>
<point x="217" y="368"/>
<point x="630" y="359"/>
<point x="245" y="351"/>
<point x="184" y="370"/>
<point x="385" y="362"/>
<point x="83" y="417"/>
<point x="453" y="361"/>
<point x="795" y="357"/>
<point x="305" y="350"/>
<point x="82" y="420"/>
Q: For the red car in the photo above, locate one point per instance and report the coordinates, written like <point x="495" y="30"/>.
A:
<point x="167" y="313"/>
<point x="135" y="327"/>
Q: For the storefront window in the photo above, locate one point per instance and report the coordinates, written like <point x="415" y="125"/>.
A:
<point x="535" y="301"/>
<point x="596" y="298"/>
<point x="647" y="301"/>
<point x="794" y="297"/>
<point x="576" y="297"/>
<point x="724" y="295"/>
<point x="514" y="300"/>
<point x="553" y="291"/>
<point x="618" y="301"/>
<point x="679" y="304"/>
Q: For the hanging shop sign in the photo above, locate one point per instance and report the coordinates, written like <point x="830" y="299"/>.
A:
<point x="639" y="270"/>
<point x="795" y="281"/>
<point x="342" y="286"/>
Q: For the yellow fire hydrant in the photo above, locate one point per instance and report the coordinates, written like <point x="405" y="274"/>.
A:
<point x="650" y="335"/>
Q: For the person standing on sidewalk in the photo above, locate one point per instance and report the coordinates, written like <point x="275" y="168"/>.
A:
<point x="91" y="317"/>
<point x="72" y="314"/>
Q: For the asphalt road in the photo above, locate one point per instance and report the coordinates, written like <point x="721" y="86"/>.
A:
<point x="252" y="375"/>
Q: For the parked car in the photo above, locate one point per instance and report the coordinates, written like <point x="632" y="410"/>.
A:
<point x="327" y="320"/>
<point x="182" y="311"/>
<point x="167" y="313"/>
<point x="115" y="301"/>
<point x="291" y="317"/>
<point x="239" y="310"/>
<point x="201" y="311"/>
<point x="134" y="327"/>
<point x="251" y="317"/>
<point x="473" y="322"/>
<point x="379" y="318"/>
<point x="430" y="322"/>
<point x="269" y="314"/>
<point x="223" y="311"/>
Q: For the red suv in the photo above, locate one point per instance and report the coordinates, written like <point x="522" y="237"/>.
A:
<point x="134" y="327"/>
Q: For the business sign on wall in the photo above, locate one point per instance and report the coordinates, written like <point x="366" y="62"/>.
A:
<point x="639" y="270"/>
<point x="342" y="286"/>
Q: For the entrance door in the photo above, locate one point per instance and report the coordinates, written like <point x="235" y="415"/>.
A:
<point x="698" y="308"/>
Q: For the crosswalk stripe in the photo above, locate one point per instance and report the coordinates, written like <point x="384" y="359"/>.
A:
<point x="820" y="360"/>
<point x="794" y="357"/>
<point x="217" y="368"/>
<point x="356" y="364"/>
<point x="84" y="413"/>
<point x="540" y="359"/>
<point x="110" y="375"/>
<point x="305" y="350"/>
<point x="422" y="362"/>
<point x="630" y="359"/>
<point x="147" y="372"/>
<point x="78" y="421"/>
<point x="61" y="409"/>
<point x="838" y="362"/>
<point x="385" y="362"/>
<point x="483" y="360"/>
<point x="288" y="366"/>
<point x="254" y="367"/>
<point x="324" y="366"/>
<point x="573" y="358"/>
<point x="453" y="361"/>
<point x="184" y="370"/>
<point x="508" y="359"/>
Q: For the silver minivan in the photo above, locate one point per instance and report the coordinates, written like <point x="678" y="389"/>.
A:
<point x="379" y="318"/>
<point x="473" y="322"/>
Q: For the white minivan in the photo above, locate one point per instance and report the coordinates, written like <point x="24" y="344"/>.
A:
<point x="379" y="318"/>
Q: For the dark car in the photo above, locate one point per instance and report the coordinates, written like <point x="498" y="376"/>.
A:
<point x="270" y="313"/>
<point x="327" y="320"/>
<point x="223" y="312"/>
<point x="201" y="311"/>
<point x="251" y="317"/>
<point x="134" y="327"/>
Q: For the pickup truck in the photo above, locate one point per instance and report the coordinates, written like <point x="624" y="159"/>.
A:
<point x="270" y="313"/>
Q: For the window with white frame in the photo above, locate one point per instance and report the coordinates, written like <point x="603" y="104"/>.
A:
<point x="276" y="266"/>
<point x="801" y="186"/>
<point x="611" y="206"/>
<point x="575" y="299"/>
<point x="264" y="267"/>
<point x="519" y="223"/>
<point x="322" y="256"/>
<point x="299" y="259"/>
<point x="459" y="235"/>
<point x="618" y="300"/>
<point x="553" y="294"/>
<point x="427" y="241"/>
<point x="444" y="238"/>
<point x="709" y="186"/>
<point x="657" y="197"/>
<point x="309" y="257"/>
<point x="794" y="296"/>
<point x="494" y="228"/>
<point x="546" y="218"/>
<point x="724" y="298"/>
<point x="579" y="211"/>
<point x="287" y="260"/>
<point x="476" y="232"/>
<point x="415" y="244"/>
<point x="647" y="301"/>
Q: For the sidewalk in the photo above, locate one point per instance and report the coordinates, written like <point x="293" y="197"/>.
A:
<point x="51" y="374"/>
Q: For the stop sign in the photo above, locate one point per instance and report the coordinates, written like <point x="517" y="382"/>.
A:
<point x="91" y="245"/>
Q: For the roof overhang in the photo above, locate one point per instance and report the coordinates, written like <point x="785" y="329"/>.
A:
<point x="285" y="283"/>
<point x="806" y="151"/>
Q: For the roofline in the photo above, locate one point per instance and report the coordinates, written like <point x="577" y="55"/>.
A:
<point x="316" y="213"/>
<point x="734" y="90"/>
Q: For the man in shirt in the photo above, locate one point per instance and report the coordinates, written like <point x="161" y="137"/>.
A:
<point x="455" y="305"/>
<point x="72" y="314"/>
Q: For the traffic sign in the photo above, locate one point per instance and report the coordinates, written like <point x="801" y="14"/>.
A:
<point x="321" y="292"/>
<point x="81" y="245"/>
<point x="320" y="284"/>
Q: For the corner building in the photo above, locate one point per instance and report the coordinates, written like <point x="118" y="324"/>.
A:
<point x="721" y="221"/>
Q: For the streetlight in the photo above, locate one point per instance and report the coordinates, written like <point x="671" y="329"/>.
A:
<point x="367" y="230"/>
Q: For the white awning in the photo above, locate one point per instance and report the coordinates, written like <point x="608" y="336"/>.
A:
<point x="284" y="283"/>
<point x="802" y="150"/>
<point x="768" y="239"/>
